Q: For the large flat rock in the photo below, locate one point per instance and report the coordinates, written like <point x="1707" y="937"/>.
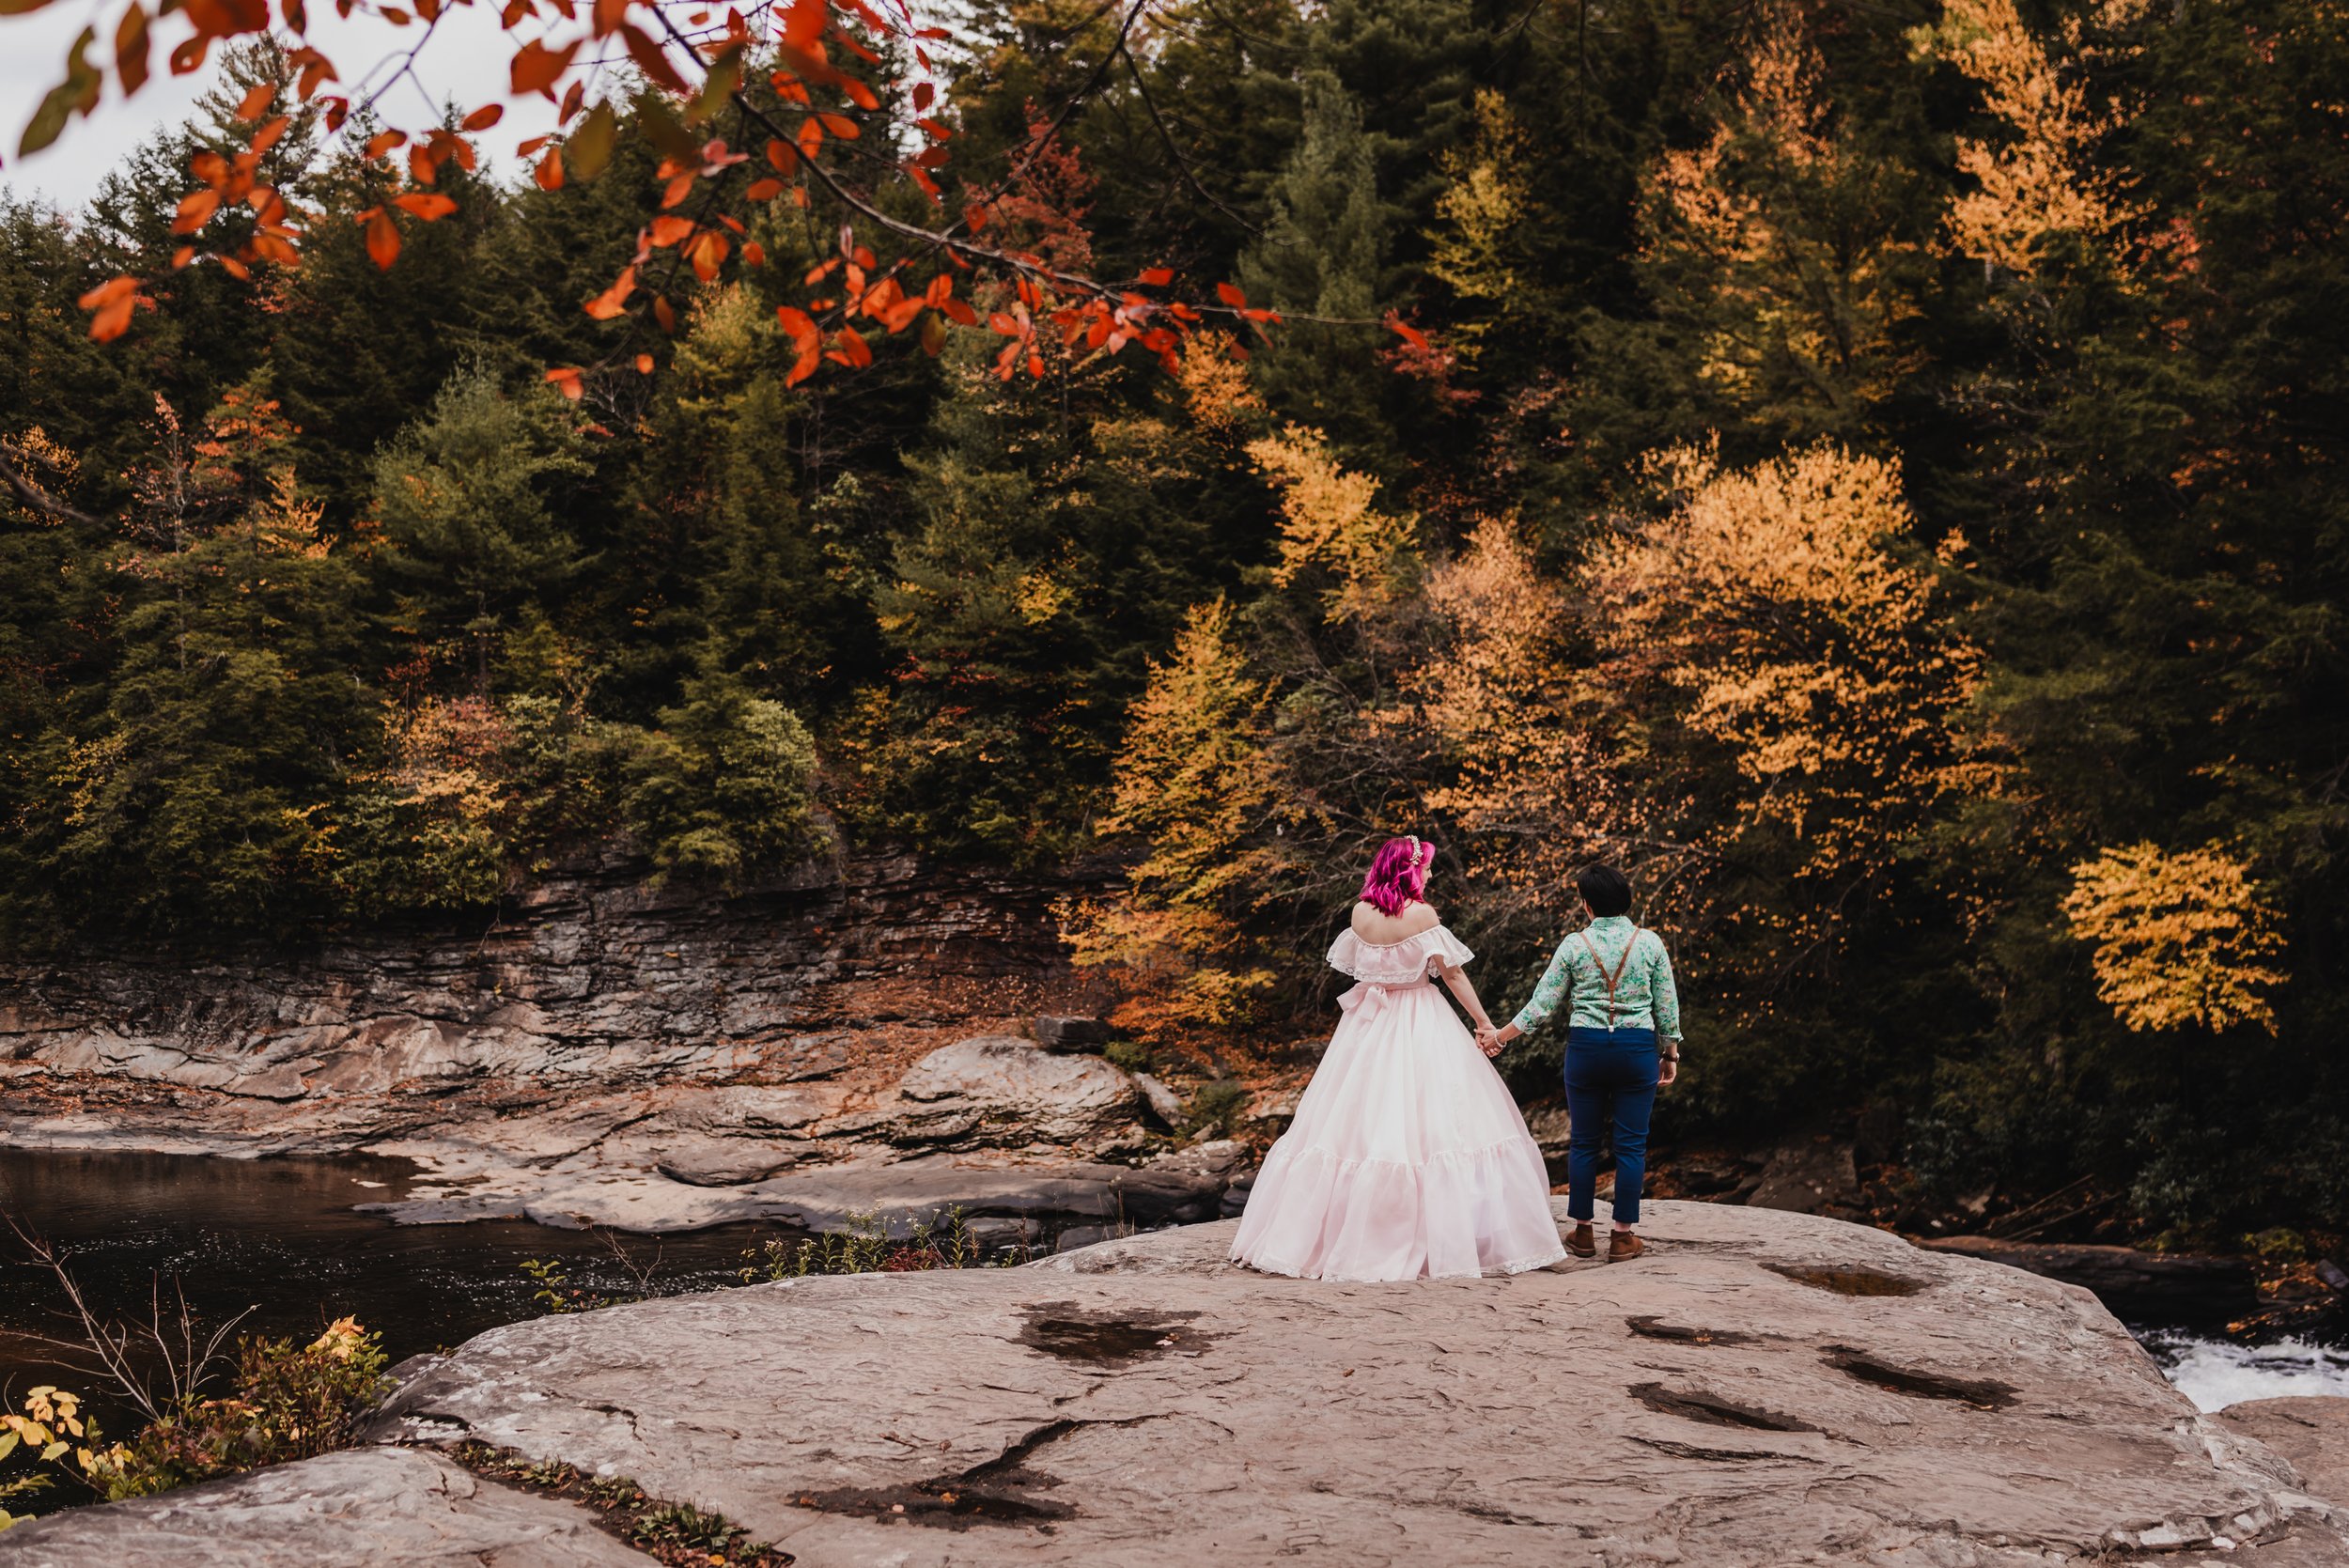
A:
<point x="2312" y="1432"/>
<point x="1765" y="1388"/>
<point x="382" y="1508"/>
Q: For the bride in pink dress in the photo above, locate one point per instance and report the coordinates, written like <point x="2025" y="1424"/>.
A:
<point x="1408" y="1159"/>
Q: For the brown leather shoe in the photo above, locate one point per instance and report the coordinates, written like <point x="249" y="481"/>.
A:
<point x="1623" y="1246"/>
<point x="1580" y="1242"/>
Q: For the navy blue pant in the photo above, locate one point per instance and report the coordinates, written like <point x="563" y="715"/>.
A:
<point x="1611" y="1077"/>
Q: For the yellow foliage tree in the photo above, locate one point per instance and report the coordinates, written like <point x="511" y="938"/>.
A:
<point x="2178" y="938"/>
<point x="1534" y="777"/>
<point x="1329" y="519"/>
<point x="2037" y="182"/>
<point x="1775" y="243"/>
<point x="1773" y="601"/>
<point x="1193" y="780"/>
<point x="1484" y="200"/>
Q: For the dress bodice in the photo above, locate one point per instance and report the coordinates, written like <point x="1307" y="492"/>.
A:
<point x="1401" y="963"/>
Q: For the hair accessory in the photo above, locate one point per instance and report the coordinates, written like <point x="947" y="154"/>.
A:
<point x="1417" y="850"/>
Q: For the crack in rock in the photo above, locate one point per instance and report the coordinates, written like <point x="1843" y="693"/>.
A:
<point x="998" y="1491"/>
<point x="1697" y="1404"/>
<point x="1983" y="1393"/>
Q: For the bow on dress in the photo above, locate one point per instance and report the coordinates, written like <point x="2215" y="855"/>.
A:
<point x="1371" y="996"/>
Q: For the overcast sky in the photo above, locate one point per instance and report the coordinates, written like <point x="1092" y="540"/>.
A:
<point x="466" y="59"/>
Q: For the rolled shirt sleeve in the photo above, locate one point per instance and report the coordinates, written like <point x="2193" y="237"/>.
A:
<point x="1663" y="994"/>
<point x="1556" y="983"/>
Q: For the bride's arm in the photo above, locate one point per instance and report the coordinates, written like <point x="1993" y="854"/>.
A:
<point x="1455" y="979"/>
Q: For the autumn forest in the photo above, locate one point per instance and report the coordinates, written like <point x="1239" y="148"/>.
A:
<point x="1875" y="472"/>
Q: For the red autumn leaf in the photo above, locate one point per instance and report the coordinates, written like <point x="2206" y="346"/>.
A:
<point x="651" y="60"/>
<point x="536" y="67"/>
<point x="130" y="45"/>
<point x="923" y="95"/>
<point x="852" y="351"/>
<point x="614" y="300"/>
<point x="566" y="382"/>
<point x="644" y="365"/>
<point x="268" y="135"/>
<point x="859" y="94"/>
<point x="384" y="141"/>
<point x="764" y="190"/>
<point x="754" y="254"/>
<point x="664" y="313"/>
<point x="1231" y="296"/>
<point x="429" y="205"/>
<point x="803" y="22"/>
<point x="257" y="100"/>
<point x="550" y="171"/>
<point x="1410" y="334"/>
<point x="668" y="229"/>
<point x="383" y="239"/>
<point x="840" y="126"/>
<point x="486" y="117"/>
<point x="196" y="210"/>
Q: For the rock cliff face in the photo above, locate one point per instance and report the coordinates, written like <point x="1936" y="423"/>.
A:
<point x="587" y="981"/>
<point x="1763" y="1388"/>
<point x="618" y="1056"/>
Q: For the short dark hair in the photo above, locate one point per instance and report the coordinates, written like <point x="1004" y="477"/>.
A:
<point x="1607" y="891"/>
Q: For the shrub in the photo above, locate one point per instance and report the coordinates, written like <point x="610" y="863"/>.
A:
<point x="291" y="1401"/>
<point x="1215" y="1107"/>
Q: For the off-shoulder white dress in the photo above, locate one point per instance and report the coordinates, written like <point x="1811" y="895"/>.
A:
<point x="1408" y="1159"/>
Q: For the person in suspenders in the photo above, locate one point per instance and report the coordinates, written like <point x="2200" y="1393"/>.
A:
<point x="1622" y="1043"/>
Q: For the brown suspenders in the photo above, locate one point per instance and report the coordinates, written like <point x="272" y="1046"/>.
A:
<point x="1622" y="965"/>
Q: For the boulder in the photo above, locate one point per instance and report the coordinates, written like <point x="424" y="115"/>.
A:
<point x="1002" y="1089"/>
<point x="1058" y="1033"/>
<point x="1763" y="1388"/>
<point x="1808" y="1176"/>
<point x="2312" y="1432"/>
<point x="1165" y="1104"/>
<point x="385" y="1507"/>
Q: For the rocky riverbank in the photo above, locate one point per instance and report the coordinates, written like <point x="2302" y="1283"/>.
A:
<point x="610" y="1054"/>
<point x="1763" y="1388"/>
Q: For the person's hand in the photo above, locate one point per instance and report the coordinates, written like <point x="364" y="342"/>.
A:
<point x="1488" y="1039"/>
<point x="1667" y="1070"/>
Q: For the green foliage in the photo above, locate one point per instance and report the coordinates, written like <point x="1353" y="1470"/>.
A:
<point x="723" y="787"/>
<point x="865" y="1247"/>
<point x="1214" y="1108"/>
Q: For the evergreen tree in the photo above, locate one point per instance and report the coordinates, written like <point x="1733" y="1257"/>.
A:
<point x="468" y="497"/>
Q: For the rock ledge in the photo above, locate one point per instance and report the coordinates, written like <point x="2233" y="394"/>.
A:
<point x="1765" y="1389"/>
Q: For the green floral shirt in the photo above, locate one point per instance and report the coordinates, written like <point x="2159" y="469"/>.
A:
<point x="1644" y="996"/>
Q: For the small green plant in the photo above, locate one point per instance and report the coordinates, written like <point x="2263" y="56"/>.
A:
<point x="1215" y="1107"/>
<point x="1127" y="1054"/>
<point x="557" y="1295"/>
<point x="678" y="1535"/>
<point x="864" y="1247"/>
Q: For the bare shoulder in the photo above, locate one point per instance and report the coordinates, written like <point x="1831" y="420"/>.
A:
<point x="1383" y="930"/>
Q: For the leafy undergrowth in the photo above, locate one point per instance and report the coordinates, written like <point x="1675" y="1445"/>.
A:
<point x="675" y="1533"/>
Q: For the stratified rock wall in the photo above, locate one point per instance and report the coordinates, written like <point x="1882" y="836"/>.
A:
<point x="586" y="980"/>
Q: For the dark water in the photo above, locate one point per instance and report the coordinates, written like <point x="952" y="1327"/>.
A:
<point x="280" y="1237"/>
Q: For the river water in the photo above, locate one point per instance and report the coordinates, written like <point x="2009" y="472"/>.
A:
<point x="284" y="1238"/>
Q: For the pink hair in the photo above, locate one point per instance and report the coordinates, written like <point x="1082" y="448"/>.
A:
<point x="1398" y="875"/>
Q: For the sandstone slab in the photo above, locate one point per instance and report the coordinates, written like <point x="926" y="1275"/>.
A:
<point x="1765" y="1389"/>
<point x="2312" y="1432"/>
<point x="1001" y="1089"/>
<point x="379" y="1508"/>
